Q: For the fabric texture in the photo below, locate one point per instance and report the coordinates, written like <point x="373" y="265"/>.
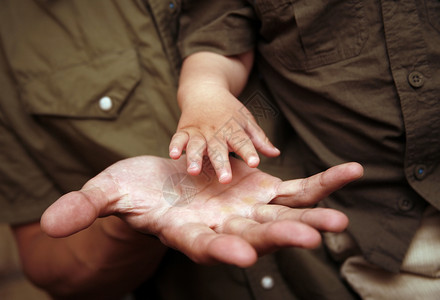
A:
<point x="60" y="62"/>
<point x="420" y="271"/>
<point x="362" y="86"/>
<point x="87" y="83"/>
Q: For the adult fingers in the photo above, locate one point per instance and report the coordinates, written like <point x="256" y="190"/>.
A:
<point x="73" y="212"/>
<point x="77" y="210"/>
<point x="266" y="237"/>
<point x="322" y="219"/>
<point x="203" y="245"/>
<point x="308" y="191"/>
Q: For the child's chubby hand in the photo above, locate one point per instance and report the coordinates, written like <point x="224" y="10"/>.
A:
<point x="213" y="124"/>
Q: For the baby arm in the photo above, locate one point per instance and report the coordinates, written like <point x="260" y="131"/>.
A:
<point x="213" y="121"/>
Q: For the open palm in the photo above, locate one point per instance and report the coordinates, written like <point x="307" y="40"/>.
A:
<point x="197" y="215"/>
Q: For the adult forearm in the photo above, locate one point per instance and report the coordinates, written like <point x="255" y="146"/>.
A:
<point x="106" y="260"/>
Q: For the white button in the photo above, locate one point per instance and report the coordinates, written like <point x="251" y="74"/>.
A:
<point x="105" y="103"/>
<point x="267" y="282"/>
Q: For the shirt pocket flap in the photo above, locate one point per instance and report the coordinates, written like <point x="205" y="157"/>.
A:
<point x="96" y="89"/>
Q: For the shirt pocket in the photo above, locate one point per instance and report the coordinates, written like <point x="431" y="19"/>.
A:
<point x="433" y="13"/>
<point x="96" y="89"/>
<point x="305" y="34"/>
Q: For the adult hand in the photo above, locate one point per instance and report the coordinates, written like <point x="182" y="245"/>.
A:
<point x="208" y="221"/>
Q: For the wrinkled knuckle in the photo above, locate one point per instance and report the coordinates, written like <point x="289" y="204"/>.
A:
<point x="197" y="139"/>
<point x="304" y="214"/>
<point x="179" y="134"/>
<point x="266" y="140"/>
<point x="304" y="187"/>
<point x="322" y="182"/>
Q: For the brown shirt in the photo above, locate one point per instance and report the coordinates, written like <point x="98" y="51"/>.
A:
<point x="358" y="81"/>
<point x="83" y="84"/>
<point x="55" y="132"/>
<point x="86" y="83"/>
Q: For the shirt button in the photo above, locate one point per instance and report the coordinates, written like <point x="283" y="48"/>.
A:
<point x="405" y="204"/>
<point x="416" y="79"/>
<point x="105" y="103"/>
<point x="267" y="282"/>
<point x="420" y="172"/>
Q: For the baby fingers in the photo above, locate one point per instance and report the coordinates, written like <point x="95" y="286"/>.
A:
<point x="260" y="140"/>
<point x="241" y="144"/>
<point x="218" y="154"/>
<point x="178" y="144"/>
<point x="195" y="150"/>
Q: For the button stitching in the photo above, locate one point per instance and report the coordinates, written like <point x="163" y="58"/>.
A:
<point x="416" y="79"/>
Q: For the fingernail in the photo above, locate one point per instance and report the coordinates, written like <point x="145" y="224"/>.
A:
<point x="193" y="166"/>
<point x="253" y="160"/>
<point x="276" y="150"/>
<point x="174" y="150"/>
<point x="223" y="176"/>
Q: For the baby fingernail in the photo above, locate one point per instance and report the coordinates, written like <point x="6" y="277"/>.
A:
<point x="174" y="150"/>
<point x="253" y="160"/>
<point x="223" y="176"/>
<point x="193" y="166"/>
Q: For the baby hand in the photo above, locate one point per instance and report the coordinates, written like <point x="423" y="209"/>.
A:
<point x="214" y="130"/>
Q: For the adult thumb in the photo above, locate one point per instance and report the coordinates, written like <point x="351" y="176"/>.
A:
<point x="73" y="212"/>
